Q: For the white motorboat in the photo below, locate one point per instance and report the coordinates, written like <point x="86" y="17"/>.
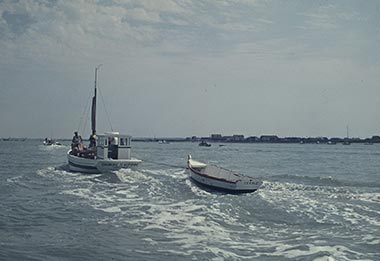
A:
<point x="217" y="178"/>
<point x="111" y="151"/>
<point x="51" y="142"/>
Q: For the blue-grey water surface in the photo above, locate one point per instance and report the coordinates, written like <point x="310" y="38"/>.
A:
<point x="317" y="202"/>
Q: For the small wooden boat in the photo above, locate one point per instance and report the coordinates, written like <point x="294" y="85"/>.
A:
<point x="217" y="178"/>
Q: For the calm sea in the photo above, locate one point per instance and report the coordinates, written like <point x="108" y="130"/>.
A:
<point x="317" y="202"/>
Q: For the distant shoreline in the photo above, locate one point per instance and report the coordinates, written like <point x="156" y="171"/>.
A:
<point x="217" y="138"/>
<point x="266" y="139"/>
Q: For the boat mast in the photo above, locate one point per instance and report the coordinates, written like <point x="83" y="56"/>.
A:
<point x="93" y="108"/>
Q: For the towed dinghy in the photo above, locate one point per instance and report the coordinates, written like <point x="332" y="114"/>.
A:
<point x="218" y="178"/>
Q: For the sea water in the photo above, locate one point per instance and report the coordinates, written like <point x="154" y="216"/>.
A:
<point x="317" y="202"/>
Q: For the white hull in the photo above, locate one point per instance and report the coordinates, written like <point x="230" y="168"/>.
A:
<point x="221" y="179"/>
<point x="93" y="166"/>
<point x="54" y="144"/>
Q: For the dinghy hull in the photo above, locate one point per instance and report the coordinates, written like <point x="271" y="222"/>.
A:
<point x="217" y="178"/>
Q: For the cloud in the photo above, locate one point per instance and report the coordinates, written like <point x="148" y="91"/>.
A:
<point x="72" y="29"/>
<point x="259" y="54"/>
<point x="17" y="22"/>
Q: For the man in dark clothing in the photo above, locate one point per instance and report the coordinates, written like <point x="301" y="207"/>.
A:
<point x="92" y="141"/>
<point x="76" y="141"/>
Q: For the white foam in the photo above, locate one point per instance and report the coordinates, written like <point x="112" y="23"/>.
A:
<point x="15" y="179"/>
<point x="206" y="224"/>
<point x="130" y="176"/>
<point x="321" y="204"/>
<point x="324" y="258"/>
<point x="112" y="210"/>
<point x="372" y="197"/>
<point x="79" y="192"/>
<point x="197" y="190"/>
<point x="338" y="251"/>
<point x="173" y="173"/>
<point x="371" y="240"/>
<point x="52" y="147"/>
<point x="52" y="172"/>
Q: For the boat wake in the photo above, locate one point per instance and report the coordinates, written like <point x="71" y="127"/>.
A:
<point x="178" y="217"/>
<point x="322" y="181"/>
<point x="52" y="147"/>
<point x="322" y="205"/>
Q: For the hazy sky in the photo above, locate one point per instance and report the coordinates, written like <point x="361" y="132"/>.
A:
<point x="191" y="67"/>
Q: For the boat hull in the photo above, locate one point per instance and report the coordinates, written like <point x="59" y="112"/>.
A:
<point x="94" y="166"/>
<point x="240" y="184"/>
<point x="224" y="189"/>
<point x="221" y="185"/>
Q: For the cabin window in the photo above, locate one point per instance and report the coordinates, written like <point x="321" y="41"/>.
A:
<point x="122" y="142"/>
<point x="105" y="142"/>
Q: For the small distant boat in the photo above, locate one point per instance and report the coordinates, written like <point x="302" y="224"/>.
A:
<point x="204" y="144"/>
<point x="163" y="142"/>
<point x="217" y="178"/>
<point x="111" y="151"/>
<point x="51" y="142"/>
<point x="346" y="140"/>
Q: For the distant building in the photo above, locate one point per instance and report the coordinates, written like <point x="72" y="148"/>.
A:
<point x="356" y="140"/>
<point x="269" y="138"/>
<point x="292" y="139"/>
<point x="216" y="137"/>
<point x="194" y="138"/>
<point x="336" y="140"/>
<point x="323" y="139"/>
<point x="252" y="139"/>
<point x="237" y="137"/>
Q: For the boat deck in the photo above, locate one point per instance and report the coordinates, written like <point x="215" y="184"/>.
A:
<point x="215" y="172"/>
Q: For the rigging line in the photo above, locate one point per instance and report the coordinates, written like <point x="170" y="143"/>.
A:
<point x="86" y="108"/>
<point x="84" y="112"/>
<point x="165" y="164"/>
<point x="105" y="109"/>
<point x="86" y="119"/>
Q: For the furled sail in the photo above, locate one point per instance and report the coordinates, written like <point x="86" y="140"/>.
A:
<point x="93" y="107"/>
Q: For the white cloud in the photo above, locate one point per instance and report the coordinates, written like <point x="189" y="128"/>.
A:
<point x="259" y="54"/>
<point x="82" y="25"/>
<point x="165" y="5"/>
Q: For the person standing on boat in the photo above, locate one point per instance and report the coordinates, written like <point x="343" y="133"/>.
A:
<point x="76" y="142"/>
<point x="92" y="140"/>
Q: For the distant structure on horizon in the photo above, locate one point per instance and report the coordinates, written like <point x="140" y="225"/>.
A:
<point x="239" y="138"/>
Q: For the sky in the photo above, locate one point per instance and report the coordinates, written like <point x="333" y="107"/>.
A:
<point x="178" y="68"/>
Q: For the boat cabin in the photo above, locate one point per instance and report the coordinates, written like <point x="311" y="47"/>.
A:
<point x="112" y="145"/>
